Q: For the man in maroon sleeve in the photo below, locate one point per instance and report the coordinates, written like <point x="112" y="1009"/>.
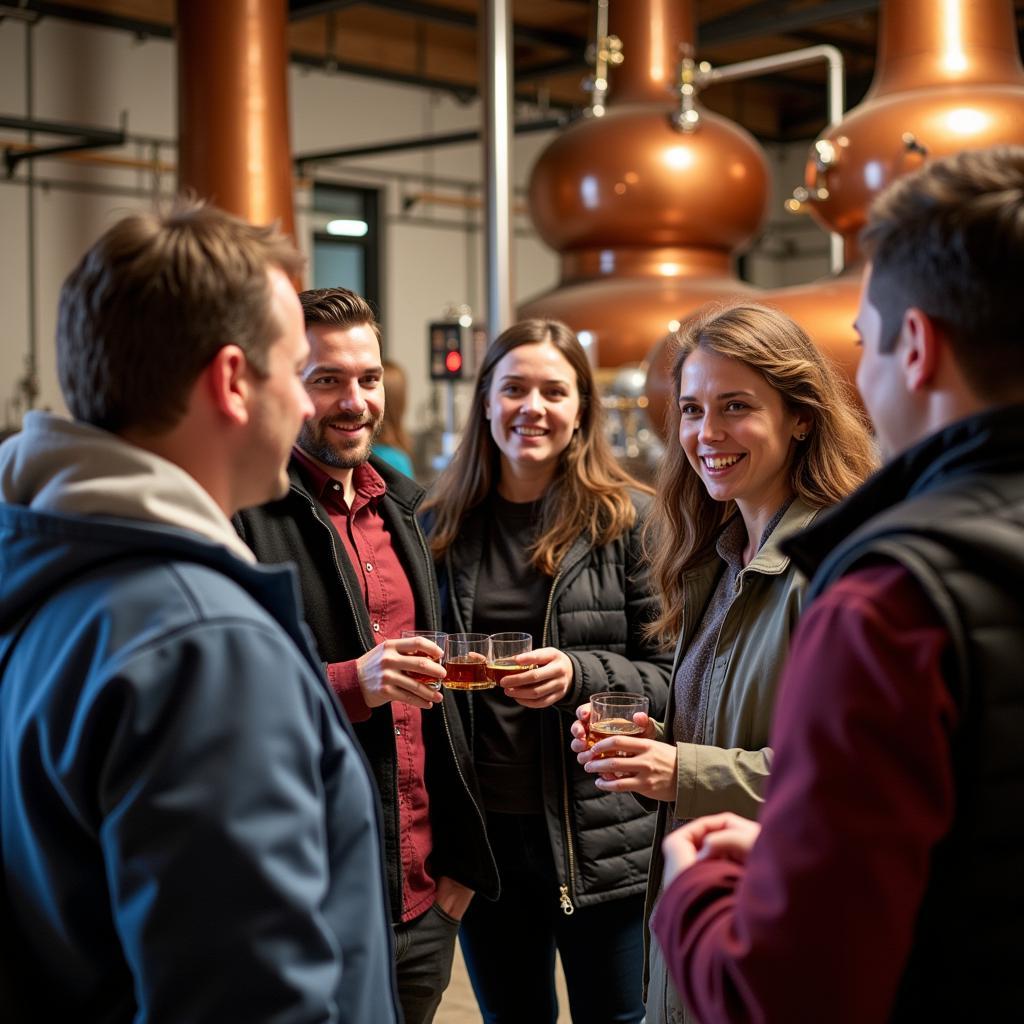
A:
<point x="885" y="881"/>
<point x="349" y="522"/>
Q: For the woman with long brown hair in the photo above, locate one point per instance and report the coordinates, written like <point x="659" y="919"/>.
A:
<point x="536" y="528"/>
<point x="767" y="436"/>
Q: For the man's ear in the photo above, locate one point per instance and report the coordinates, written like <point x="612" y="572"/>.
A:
<point x="919" y="349"/>
<point x="228" y="381"/>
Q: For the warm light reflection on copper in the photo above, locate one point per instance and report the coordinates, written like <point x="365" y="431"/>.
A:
<point x="679" y="157"/>
<point x="656" y="28"/>
<point x="966" y="121"/>
<point x="953" y="57"/>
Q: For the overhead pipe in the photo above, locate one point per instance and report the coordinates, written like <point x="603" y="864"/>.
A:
<point x="835" y="96"/>
<point x="419" y="142"/>
<point x="497" y="50"/>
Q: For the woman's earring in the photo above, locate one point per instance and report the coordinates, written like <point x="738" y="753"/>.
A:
<point x="802" y="436"/>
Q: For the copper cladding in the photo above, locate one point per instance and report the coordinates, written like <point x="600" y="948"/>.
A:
<point x="233" y="107"/>
<point x="646" y="216"/>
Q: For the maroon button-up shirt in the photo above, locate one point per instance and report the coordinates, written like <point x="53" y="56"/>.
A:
<point x="391" y="606"/>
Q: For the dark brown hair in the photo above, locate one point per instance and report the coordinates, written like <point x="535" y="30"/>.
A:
<point x="589" y="494"/>
<point x="949" y="239"/>
<point x="152" y="302"/>
<point x="338" y="307"/>
<point x="828" y="464"/>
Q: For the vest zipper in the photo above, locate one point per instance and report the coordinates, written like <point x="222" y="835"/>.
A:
<point x="567" y="890"/>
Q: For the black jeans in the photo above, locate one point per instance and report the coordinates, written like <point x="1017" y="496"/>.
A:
<point x="424" y="949"/>
<point x="509" y="945"/>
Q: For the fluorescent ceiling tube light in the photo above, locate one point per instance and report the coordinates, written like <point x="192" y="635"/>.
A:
<point x="348" y="228"/>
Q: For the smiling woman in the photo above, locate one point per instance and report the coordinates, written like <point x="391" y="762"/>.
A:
<point x="766" y="438"/>
<point x="536" y="528"/>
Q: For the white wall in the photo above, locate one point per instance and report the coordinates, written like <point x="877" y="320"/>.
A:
<point x="89" y="75"/>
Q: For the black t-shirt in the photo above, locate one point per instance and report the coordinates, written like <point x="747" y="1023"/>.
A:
<point x="511" y="595"/>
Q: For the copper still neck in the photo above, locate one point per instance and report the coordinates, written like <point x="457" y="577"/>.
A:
<point x="935" y="42"/>
<point x="650" y="31"/>
<point x="234" y="144"/>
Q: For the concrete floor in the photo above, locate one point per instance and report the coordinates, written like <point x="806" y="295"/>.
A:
<point x="459" y="1004"/>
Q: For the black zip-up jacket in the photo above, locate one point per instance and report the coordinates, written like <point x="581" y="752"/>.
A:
<point x="599" y="600"/>
<point x="951" y="512"/>
<point x="298" y="529"/>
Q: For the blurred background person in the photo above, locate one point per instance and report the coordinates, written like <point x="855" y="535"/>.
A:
<point x="767" y="437"/>
<point x="393" y="444"/>
<point x="535" y="527"/>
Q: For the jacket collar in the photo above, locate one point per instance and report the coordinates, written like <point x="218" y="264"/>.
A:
<point x="771" y="559"/>
<point x="992" y="441"/>
<point x="399" y="488"/>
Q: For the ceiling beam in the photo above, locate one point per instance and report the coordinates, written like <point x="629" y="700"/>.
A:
<point x="439" y="15"/>
<point x="775" y="18"/>
<point x="90" y="16"/>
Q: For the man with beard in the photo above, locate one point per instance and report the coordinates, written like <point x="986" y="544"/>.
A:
<point x="349" y="521"/>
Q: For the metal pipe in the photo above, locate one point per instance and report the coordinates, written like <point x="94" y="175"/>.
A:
<point x="835" y="96"/>
<point x="498" y="102"/>
<point x="30" y="385"/>
<point x="419" y="142"/>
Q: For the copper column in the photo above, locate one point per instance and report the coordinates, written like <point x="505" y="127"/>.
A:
<point x="234" y="143"/>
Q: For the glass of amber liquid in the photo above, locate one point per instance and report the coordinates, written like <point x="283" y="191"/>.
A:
<point x="611" y="714"/>
<point x="434" y="637"/>
<point x="465" y="660"/>
<point x="504" y="648"/>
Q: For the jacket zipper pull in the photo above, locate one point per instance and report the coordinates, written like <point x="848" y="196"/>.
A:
<point x="566" y="904"/>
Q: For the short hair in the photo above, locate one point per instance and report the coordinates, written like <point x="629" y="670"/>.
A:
<point x="949" y="239"/>
<point x="824" y="468"/>
<point x="153" y="301"/>
<point x="338" y="307"/>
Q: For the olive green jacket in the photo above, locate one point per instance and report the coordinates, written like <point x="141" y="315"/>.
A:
<point x="728" y="770"/>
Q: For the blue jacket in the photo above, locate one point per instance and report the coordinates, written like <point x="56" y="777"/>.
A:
<point x="188" y="828"/>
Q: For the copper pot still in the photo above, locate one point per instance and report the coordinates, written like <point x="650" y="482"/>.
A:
<point x="646" y="216"/>
<point x="948" y="78"/>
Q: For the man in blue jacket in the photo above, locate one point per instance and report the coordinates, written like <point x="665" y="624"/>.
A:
<point x="188" y="828"/>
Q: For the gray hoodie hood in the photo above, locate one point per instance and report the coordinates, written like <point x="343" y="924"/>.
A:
<point x="70" y="468"/>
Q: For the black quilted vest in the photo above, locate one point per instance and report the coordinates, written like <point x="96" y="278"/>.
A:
<point x="951" y="510"/>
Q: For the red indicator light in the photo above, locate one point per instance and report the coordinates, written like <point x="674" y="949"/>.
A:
<point x="453" y="362"/>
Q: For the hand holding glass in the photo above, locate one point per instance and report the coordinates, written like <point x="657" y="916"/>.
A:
<point x="612" y="714"/>
<point x="465" y="660"/>
<point x="502" y="661"/>
<point x="437" y="639"/>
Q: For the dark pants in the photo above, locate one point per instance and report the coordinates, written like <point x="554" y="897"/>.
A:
<point x="509" y="946"/>
<point x="424" y="949"/>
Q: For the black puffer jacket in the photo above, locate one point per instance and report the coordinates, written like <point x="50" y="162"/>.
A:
<point x="598" y="602"/>
<point x="298" y="529"/>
